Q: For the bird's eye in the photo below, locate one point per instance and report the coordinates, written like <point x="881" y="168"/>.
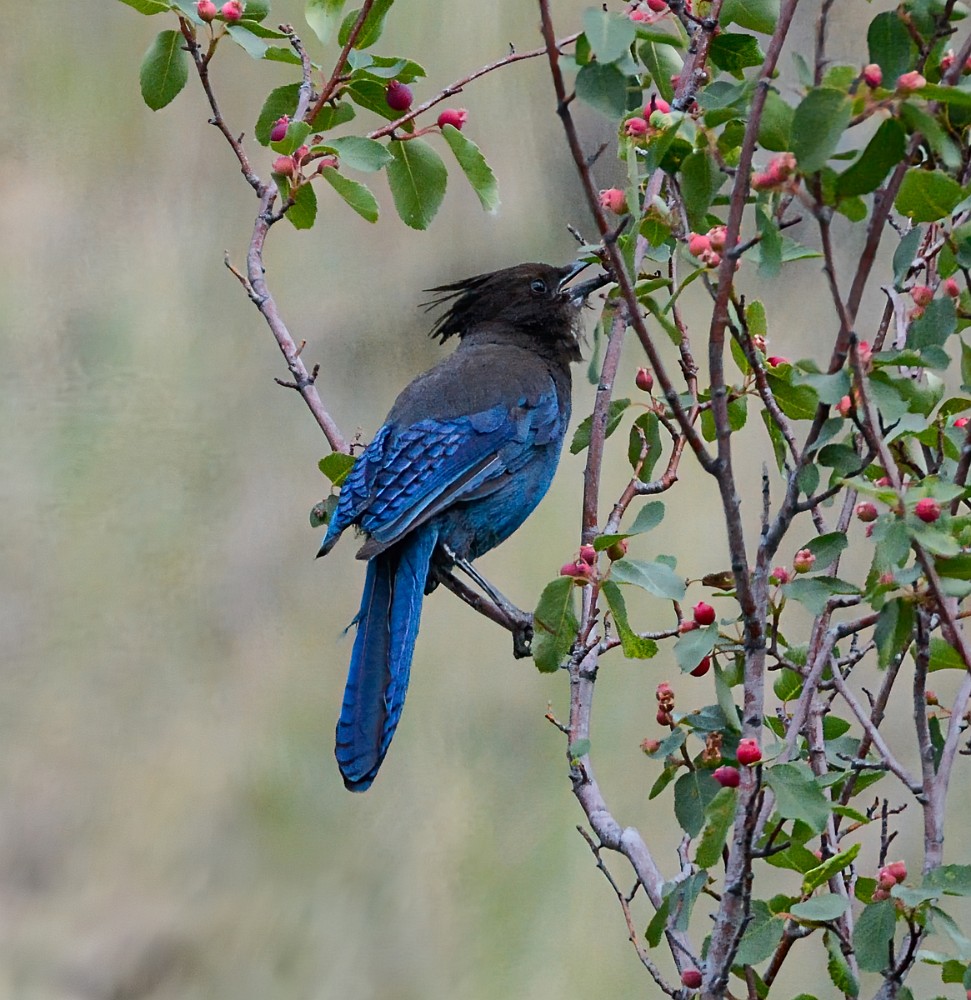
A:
<point x="538" y="286"/>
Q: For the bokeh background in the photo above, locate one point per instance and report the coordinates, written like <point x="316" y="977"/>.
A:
<point x="171" y="820"/>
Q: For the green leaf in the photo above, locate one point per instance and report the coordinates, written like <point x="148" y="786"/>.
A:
<point x="734" y="52"/>
<point x="797" y="796"/>
<point x="578" y="749"/>
<point x="692" y="647"/>
<point x="917" y="120"/>
<point x="719" y="817"/>
<point x="357" y="195"/>
<point x="798" y="402"/>
<point x="581" y="436"/>
<point x="737" y="415"/>
<point x="360" y="153"/>
<point x="820" y="909"/>
<point x="303" y="212"/>
<point x="890" y="45"/>
<point x="873" y="936"/>
<point x="692" y="793"/>
<point x="149" y="6"/>
<point x="279" y="102"/>
<point x="756" y="15"/>
<point x="827" y="547"/>
<point x="775" y="129"/>
<point x="655" y="578"/>
<point x="944" y="656"/>
<point x="822" y="873"/>
<point x="903" y="256"/>
<point x="554" y="625"/>
<point x="610" y="35"/>
<point x="417" y="178"/>
<point x="635" y="647"/>
<point x="336" y="466"/>
<point x="817" y="126"/>
<point x="256" y="10"/>
<point x="164" y="70"/>
<point x="927" y="195"/>
<point x="894" y="626"/>
<point x="787" y="685"/>
<point x="839" y="968"/>
<point x="603" y="86"/>
<point x="373" y="26"/>
<point x="323" y="16"/>
<point x="645" y="430"/>
<point x="761" y="936"/>
<point x="475" y="168"/>
<point x="883" y="152"/>
<point x="941" y="921"/>
<point x="934" y="326"/>
<point x="321" y="513"/>
<point x="700" y="181"/>
<point x="662" y="62"/>
<point x="248" y="41"/>
<point x="648" y="517"/>
<point x="954" y="880"/>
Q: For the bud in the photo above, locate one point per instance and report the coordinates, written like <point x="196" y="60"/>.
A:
<point x="456" y="117"/>
<point x="664" y="718"/>
<point x="867" y="511"/>
<point x="909" y="82"/>
<point x="727" y="777"/>
<point x="639" y="15"/>
<point x="614" y="200"/>
<point x="947" y="61"/>
<point x="232" y="11"/>
<point x="931" y="698"/>
<point x="644" y="380"/>
<point x="279" y="130"/>
<point x="207" y="10"/>
<point x="664" y="692"/>
<point x="578" y="570"/>
<point x="872" y="75"/>
<point x="928" y="510"/>
<point x="803" y="561"/>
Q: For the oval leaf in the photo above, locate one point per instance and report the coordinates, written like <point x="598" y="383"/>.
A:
<point x="554" y="625"/>
<point x="164" y="70"/>
<point x="417" y="178"/>
<point x="475" y="168"/>
<point x="357" y="195"/>
<point x="817" y="126"/>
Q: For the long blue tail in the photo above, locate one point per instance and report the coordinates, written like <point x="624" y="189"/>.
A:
<point x="377" y="681"/>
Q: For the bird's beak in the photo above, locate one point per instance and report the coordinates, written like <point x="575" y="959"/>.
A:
<point x="580" y="291"/>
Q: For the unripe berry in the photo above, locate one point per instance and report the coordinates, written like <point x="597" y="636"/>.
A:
<point x="845" y="406"/>
<point x="232" y="10"/>
<point x="921" y="295"/>
<point x="879" y="894"/>
<point x="872" y="75"/>
<point x="951" y="288"/>
<point x="803" y="561"/>
<point x="898" y="870"/>
<point x="866" y="511"/>
<point x="614" y="200"/>
<point x="702" y="668"/>
<point x="947" y="60"/>
<point x="617" y="550"/>
<point x="691" y="978"/>
<point x="780" y="575"/>
<point x="777" y="359"/>
<point x="650" y="746"/>
<point x="711" y="259"/>
<point x="635" y="128"/>
<point x="579" y="571"/>
<point x="703" y="614"/>
<point x="727" y="777"/>
<point x="456" y="117"/>
<point x="644" y="380"/>
<point x="279" y="130"/>
<point x="909" y="82"/>
<point x="928" y="510"/>
<point x="930" y="698"/>
<point x="748" y="752"/>
<point x="717" y="237"/>
<point x="588" y="554"/>
<point x="398" y="96"/>
<point x="698" y="244"/>
<point x="285" y="165"/>
<point x="656" y="104"/>
<point x="207" y="10"/>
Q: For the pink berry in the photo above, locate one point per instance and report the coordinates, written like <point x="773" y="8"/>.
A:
<point x="664" y="692"/>
<point x="279" y="130"/>
<point x="650" y="746"/>
<point x="748" y="752"/>
<point x="579" y="570"/>
<point x="638" y="15"/>
<point x="698" y="244"/>
<point x="207" y="10"/>
<point x="727" y="777"/>
<point x="663" y="717"/>
<point x="777" y="359"/>
<point x="947" y="60"/>
<point x="952" y="288"/>
<point x="921" y="295"/>
<point x="928" y="510"/>
<point x="872" y="75"/>
<point x="656" y="104"/>
<point x="691" y="978"/>
<point x="866" y="511"/>
<point x="718" y="237"/>
<point x="703" y="614"/>
<point x="456" y="117"/>
<point x="644" y="380"/>
<point x="285" y="165"/>
<point x="898" y="869"/>
<point x="962" y="421"/>
<point x="398" y="95"/>
<point x="909" y="82"/>
<point x="780" y="575"/>
<point x="634" y="128"/>
<point x="657" y="5"/>
<point x="803" y="561"/>
<point x="588" y="554"/>
<point x="232" y="10"/>
<point x="702" y="668"/>
<point x="614" y="200"/>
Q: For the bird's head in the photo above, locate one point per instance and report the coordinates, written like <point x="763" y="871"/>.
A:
<point x="535" y="299"/>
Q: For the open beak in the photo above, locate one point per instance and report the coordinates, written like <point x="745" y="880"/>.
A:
<point x="578" y="292"/>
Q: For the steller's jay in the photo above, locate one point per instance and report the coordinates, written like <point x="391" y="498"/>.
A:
<point x="466" y="453"/>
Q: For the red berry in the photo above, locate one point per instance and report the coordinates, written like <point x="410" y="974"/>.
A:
<point x="207" y="10"/>
<point x="455" y="117"/>
<point x="588" y="554"/>
<point x="898" y="869"/>
<point x="909" y="82"/>
<point x="845" y="406"/>
<point x="803" y="561"/>
<point x="928" y="510"/>
<point x="691" y="978"/>
<point x="922" y="295"/>
<point x="776" y="359"/>
<point x="663" y="718"/>
<point x="748" y="752"/>
<point x="866" y="511"/>
<point x="702" y="668"/>
<point x="634" y="128"/>
<point x="727" y="777"/>
<point x="644" y="379"/>
<point x="398" y="95"/>
<point x="279" y="130"/>
<point x="872" y="75"/>
<point x="614" y="200"/>
<point x="232" y="10"/>
<point x="961" y="421"/>
<point x="285" y="165"/>
<point x="657" y="5"/>
<point x="951" y="288"/>
<point x="703" y="614"/>
<point x="656" y="104"/>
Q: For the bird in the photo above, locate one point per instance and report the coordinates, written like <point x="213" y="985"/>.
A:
<point x="466" y="453"/>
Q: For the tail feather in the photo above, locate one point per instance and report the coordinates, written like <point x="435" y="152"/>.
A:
<point x="387" y="626"/>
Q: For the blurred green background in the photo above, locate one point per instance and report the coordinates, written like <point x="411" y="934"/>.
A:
<point x="172" y="823"/>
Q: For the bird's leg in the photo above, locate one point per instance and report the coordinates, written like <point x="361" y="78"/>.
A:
<point x="498" y="608"/>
